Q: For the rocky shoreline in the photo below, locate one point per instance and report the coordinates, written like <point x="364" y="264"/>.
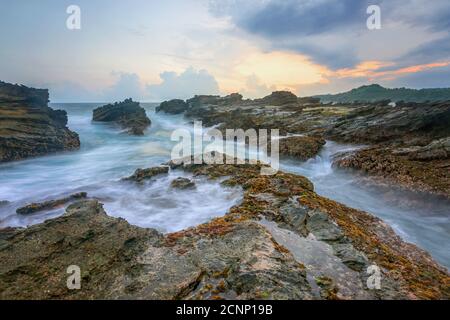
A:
<point x="408" y="144"/>
<point x="282" y="242"/>
<point x="28" y="127"/>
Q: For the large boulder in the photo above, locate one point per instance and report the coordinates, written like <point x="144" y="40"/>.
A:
<point x="28" y="127"/>
<point x="128" y="114"/>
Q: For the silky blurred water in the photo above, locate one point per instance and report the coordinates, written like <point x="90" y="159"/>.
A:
<point x="424" y="221"/>
<point x="107" y="155"/>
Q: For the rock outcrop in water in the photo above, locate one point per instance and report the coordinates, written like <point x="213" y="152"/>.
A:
<point x="408" y="141"/>
<point x="51" y="204"/>
<point x="282" y="242"/>
<point x="128" y="114"/>
<point x="28" y="127"/>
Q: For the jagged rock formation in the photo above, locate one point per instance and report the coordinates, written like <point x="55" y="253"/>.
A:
<point x="175" y="106"/>
<point x="28" y="127"/>
<point x="128" y="114"/>
<point x="204" y="100"/>
<point x="282" y="242"/>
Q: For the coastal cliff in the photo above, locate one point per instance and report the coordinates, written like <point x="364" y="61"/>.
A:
<point x="28" y="127"/>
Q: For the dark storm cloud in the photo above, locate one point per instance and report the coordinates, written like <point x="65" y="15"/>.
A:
<point x="303" y="18"/>
<point x="330" y="31"/>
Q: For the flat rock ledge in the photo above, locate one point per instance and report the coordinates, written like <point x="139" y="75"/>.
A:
<point x="282" y="242"/>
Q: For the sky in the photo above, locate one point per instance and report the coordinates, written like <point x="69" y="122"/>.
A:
<point x="153" y="50"/>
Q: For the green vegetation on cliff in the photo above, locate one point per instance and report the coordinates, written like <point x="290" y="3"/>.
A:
<point x="375" y="92"/>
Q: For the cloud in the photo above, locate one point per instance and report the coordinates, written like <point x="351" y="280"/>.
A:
<point x="67" y="91"/>
<point x="430" y="51"/>
<point x="431" y="78"/>
<point x="254" y="88"/>
<point x="183" y="85"/>
<point x="333" y="32"/>
<point x="320" y="29"/>
<point x="303" y="18"/>
<point x="128" y="85"/>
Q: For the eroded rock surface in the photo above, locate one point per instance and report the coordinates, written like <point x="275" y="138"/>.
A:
<point x="28" y="127"/>
<point x="282" y="242"/>
<point x="128" y="114"/>
<point x="301" y="147"/>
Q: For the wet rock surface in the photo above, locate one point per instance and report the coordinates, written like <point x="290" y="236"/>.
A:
<point x="28" y="127"/>
<point x="140" y="175"/>
<point x="282" y="242"/>
<point x="399" y="167"/>
<point x="128" y="114"/>
<point x="51" y="204"/>
<point x="302" y="148"/>
<point x="408" y="141"/>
